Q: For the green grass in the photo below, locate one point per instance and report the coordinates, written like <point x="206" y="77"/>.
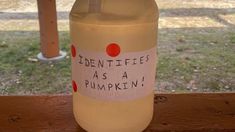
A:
<point x="21" y="76"/>
<point x="207" y="60"/>
<point x="201" y="62"/>
<point x="232" y="39"/>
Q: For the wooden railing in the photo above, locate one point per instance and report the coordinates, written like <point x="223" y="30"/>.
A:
<point x="173" y="112"/>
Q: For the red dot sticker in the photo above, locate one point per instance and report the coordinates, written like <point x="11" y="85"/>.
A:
<point x="113" y="49"/>
<point x="75" y="88"/>
<point x="73" y="50"/>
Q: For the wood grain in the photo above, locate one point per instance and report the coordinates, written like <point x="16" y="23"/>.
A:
<point x="173" y="112"/>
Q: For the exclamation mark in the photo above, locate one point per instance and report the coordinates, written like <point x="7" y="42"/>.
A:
<point x="142" y="81"/>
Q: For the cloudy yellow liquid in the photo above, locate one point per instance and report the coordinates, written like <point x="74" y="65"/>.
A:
<point x="103" y="116"/>
<point x="131" y="23"/>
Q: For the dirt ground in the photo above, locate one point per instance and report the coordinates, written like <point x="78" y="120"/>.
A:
<point x="196" y="48"/>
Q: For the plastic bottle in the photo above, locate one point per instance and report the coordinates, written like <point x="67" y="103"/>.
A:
<point x="113" y="63"/>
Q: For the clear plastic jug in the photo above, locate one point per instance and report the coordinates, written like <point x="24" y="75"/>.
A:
<point x="113" y="47"/>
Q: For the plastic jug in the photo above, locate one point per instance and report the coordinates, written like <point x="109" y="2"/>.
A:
<point x="113" y="47"/>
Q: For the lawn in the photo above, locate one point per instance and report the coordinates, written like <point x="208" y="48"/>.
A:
<point x="196" y="51"/>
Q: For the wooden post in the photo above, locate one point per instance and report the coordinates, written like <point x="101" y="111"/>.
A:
<point x="48" y="29"/>
<point x="94" y="6"/>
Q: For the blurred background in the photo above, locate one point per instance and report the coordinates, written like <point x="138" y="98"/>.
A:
<point x="196" y="48"/>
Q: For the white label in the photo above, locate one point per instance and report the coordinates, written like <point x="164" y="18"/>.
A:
<point x="113" y="75"/>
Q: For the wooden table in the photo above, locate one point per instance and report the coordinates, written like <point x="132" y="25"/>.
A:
<point x="173" y="112"/>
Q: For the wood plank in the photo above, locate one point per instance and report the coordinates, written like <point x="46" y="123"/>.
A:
<point x="198" y="112"/>
<point x="173" y="112"/>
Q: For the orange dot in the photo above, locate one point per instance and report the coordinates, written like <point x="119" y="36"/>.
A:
<point x="75" y="88"/>
<point x="113" y="49"/>
<point x="73" y="50"/>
